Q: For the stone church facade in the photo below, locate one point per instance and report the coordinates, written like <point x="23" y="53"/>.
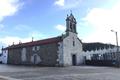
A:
<point x="64" y="50"/>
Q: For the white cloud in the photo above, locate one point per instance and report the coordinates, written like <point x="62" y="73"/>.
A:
<point x="67" y="4"/>
<point x="103" y="20"/>
<point x="60" y="27"/>
<point x="59" y="2"/>
<point x="8" y="40"/>
<point x="9" y="7"/>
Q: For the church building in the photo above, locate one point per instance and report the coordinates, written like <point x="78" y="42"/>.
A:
<point x="64" y="50"/>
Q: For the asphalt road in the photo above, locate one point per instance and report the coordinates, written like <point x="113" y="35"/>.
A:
<point x="10" y="72"/>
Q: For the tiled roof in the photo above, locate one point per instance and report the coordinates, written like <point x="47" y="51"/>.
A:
<point x="39" y="42"/>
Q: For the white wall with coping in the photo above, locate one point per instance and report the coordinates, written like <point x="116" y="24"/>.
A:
<point x="88" y="54"/>
<point x="69" y="49"/>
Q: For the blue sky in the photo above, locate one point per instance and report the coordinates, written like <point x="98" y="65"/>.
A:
<point x="20" y="20"/>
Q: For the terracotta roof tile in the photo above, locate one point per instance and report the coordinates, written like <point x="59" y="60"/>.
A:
<point x="39" y="42"/>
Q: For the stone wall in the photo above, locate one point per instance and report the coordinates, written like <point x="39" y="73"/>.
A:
<point x="14" y="56"/>
<point x="44" y="55"/>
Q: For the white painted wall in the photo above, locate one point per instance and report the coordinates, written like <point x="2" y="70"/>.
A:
<point x="69" y="49"/>
<point x="4" y="56"/>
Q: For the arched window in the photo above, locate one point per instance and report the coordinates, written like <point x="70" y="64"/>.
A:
<point x="71" y="26"/>
<point x="23" y="55"/>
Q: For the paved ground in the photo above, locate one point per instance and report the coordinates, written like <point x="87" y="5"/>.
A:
<point x="8" y="72"/>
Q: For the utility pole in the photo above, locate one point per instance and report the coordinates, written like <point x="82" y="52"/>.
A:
<point x="117" y="52"/>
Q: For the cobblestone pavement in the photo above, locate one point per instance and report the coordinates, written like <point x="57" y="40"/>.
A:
<point x="10" y="72"/>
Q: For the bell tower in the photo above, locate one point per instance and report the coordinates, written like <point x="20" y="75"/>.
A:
<point x="71" y="24"/>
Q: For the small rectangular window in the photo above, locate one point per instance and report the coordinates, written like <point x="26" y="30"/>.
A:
<point x="33" y="48"/>
<point x="5" y="51"/>
<point x="73" y="43"/>
<point x="38" y="47"/>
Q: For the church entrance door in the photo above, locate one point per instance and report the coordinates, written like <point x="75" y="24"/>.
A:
<point x="73" y="59"/>
<point x="35" y="59"/>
